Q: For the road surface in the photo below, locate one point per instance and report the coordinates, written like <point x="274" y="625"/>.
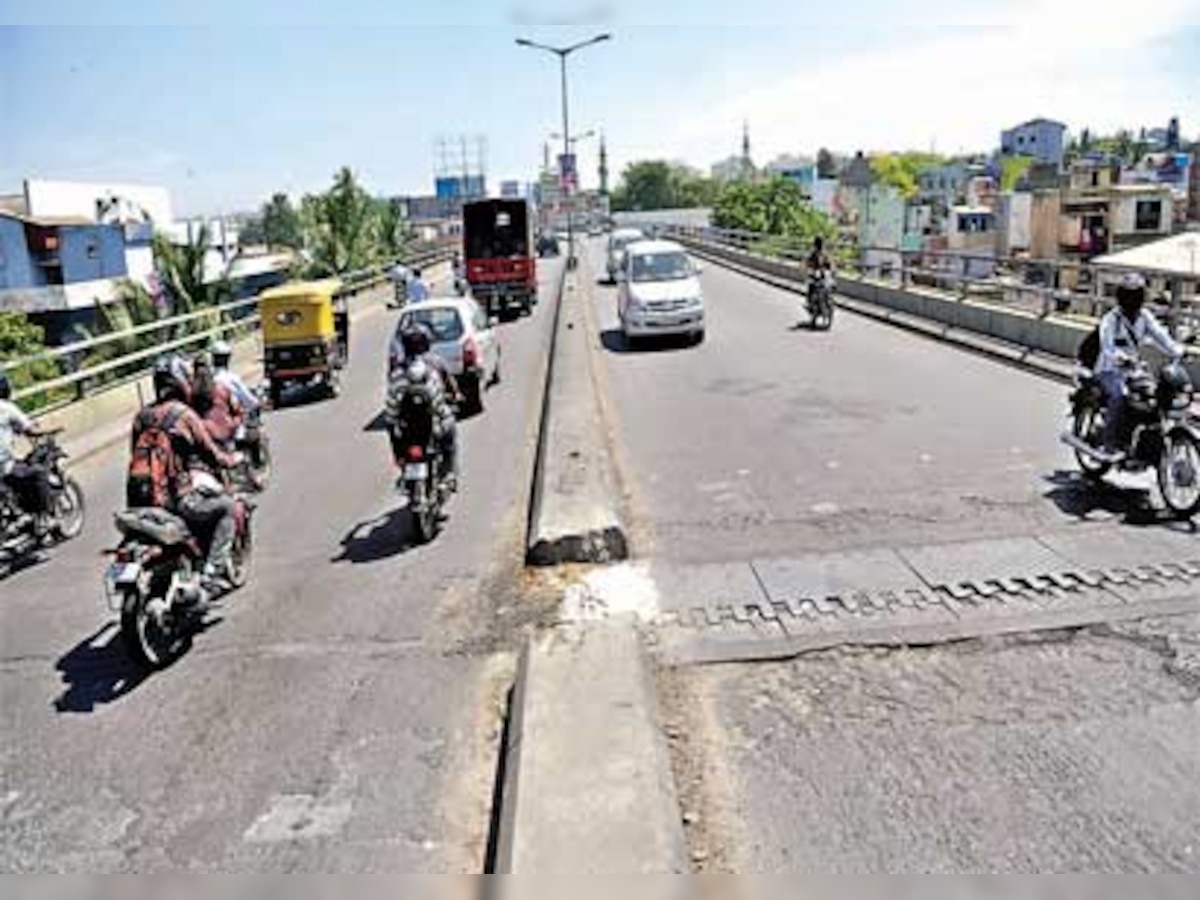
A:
<point x="772" y="463"/>
<point x="344" y="714"/>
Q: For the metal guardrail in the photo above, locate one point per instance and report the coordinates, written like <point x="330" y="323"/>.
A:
<point x="1041" y="286"/>
<point x="129" y="364"/>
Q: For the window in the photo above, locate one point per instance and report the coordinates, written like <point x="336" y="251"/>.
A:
<point x="1095" y="179"/>
<point x="660" y="266"/>
<point x="442" y="322"/>
<point x="1149" y="215"/>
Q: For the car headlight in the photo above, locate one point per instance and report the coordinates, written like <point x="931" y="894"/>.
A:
<point x="636" y="306"/>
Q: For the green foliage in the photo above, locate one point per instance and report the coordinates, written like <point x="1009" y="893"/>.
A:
<point x="342" y="228"/>
<point x="900" y="170"/>
<point x="1012" y="170"/>
<point x="181" y="267"/>
<point x="394" y="233"/>
<point x="774" y="207"/>
<point x="281" y="225"/>
<point x="656" y="184"/>
<point x="21" y="338"/>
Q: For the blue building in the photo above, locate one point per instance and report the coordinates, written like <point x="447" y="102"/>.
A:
<point x="1043" y="140"/>
<point x="58" y="268"/>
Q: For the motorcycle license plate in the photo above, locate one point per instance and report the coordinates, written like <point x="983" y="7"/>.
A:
<point x="416" y="471"/>
<point x="117" y="576"/>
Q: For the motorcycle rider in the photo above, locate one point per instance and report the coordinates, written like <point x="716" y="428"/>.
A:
<point x="818" y="260"/>
<point x="222" y="354"/>
<point x="28" y="483"/>
<point x="1123" y="330"/>
<point x="194" y="494"/>
<point x="417" y="290"/>
<point x="215" y="403"/>
<point x="416" y="342"/>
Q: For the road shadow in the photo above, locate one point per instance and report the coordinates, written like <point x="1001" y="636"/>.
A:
<point x="1081" y="497"/>
<point x="96" y="672"/>
<point x="378" y="423"/>
<point x="377" y="539"/>
<point x="613" y="340"/>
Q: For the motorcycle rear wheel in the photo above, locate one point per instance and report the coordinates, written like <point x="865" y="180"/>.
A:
<point x="148" y="645"/>
<point x="1179" y="475"/>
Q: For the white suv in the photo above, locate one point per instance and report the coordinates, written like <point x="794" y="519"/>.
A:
<point x="660" y="292"/>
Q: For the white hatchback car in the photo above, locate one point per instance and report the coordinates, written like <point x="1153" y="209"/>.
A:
<point x="463" y="336"/>
<point x="660" y="292"/>
<point x="617" y="242"/>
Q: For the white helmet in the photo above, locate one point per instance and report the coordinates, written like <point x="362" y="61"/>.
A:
<point x="220" y="350"/>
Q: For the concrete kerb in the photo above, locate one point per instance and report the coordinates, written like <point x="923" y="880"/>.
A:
<point x="588" y="785"/>
<point x="573" y="514"/>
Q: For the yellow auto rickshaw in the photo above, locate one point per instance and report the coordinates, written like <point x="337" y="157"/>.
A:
<point x="305" y="329"/>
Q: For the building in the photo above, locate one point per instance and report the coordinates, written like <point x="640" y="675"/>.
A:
<point x="1193" y="203"/>
<point x="58" y="269"/>
<point x="1043" y="140"/>
<point x="222" y="238"/>
<point x="800" y="170"/>
<point x="1014" y="223"/>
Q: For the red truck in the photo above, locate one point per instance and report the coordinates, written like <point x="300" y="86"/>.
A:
<point x="498" y="252"/>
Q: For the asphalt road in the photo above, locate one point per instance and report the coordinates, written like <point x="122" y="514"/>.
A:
<point x="772" y="440"/>
<point x="1073" y="751"/>
<point x="342" y="716"/>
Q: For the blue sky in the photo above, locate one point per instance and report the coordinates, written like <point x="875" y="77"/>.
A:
<point x="227" y="102"/>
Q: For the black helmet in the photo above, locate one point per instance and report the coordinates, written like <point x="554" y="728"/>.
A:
<point x="5" y="386"/>
<point x="416" y="341"/>
<point x="1175" y="378"/>
<point x="172" y="377"/>
<point x="1131" y="293"/>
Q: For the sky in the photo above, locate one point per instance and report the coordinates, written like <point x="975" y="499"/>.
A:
<point x="226" y="103"/>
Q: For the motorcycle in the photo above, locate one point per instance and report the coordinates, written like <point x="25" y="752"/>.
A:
<point x="253" y="472"/>
<point x="423" y="475"/>
<point x="153" y="581"/>
<point x="820" y="300"/>
<point x="19" y="535"/>
<point x="1161" y="432"/>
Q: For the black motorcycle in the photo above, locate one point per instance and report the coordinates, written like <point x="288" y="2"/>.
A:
<point x="820" y="301"/>
<point x="1161" y="432"/>
<point x="423" y="474"/>
<point x="20" y="534"/>
<point x="153" y="582"/>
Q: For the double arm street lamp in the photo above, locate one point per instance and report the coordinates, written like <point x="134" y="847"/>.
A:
<point x="562" y="53"/>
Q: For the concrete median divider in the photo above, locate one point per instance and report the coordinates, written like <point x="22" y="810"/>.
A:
<point x="574" y="512"/>
<point x="588" y="785"/>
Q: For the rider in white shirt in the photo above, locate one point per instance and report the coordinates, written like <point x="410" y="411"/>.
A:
<point x="1123" y="330"/>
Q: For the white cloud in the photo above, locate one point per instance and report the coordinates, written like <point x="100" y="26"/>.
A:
<point x="1086" y="62"/>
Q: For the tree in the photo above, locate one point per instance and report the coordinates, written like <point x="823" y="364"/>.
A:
<point x="656" y="184"/>
<point x="20" y="338"/>
<point x="394" y="233"/>
<point x="341" y="227"/>
<point x="826" y="164"/>
<point x="252" y="233"/>
<point x="281" y="223"/>
<point x="901" y="170"/>
<point x="183" y="270"/>
<point x="1012" y="170"/>
<point x="774" y="207"/>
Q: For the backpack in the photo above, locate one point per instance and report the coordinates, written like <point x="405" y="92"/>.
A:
<point x="1089" y="350"/>
<point x="154" y="464"/>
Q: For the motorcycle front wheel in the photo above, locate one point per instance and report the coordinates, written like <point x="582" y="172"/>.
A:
<point x="1088" y="426"/>
<point x="150" y="642"/>
<point x="1179" y="474"/>
<point x="69" y="510"/>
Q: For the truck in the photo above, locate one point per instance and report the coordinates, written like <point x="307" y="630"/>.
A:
<point x="499" y="255"/>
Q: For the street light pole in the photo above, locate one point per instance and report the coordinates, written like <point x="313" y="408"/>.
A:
<point x="562" y="53"/>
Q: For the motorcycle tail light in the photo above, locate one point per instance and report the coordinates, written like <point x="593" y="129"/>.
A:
<point x="470" y="353"/>
<point x="416" y="454"/>
<point x="125" y="554"/>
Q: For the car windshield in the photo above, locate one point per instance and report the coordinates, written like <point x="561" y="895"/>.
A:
<point x="669" y="266"/>
<point x="444" y="323"/>
<point x="620" y="243"/>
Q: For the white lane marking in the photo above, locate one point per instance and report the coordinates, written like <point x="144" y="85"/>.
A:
<point x="713" y="487"/>
<point x="926" y="459"/>
<point x="826" y="509"/>
<point x="298" y="817"/>
<point x="833" y="464"/>
<point x="612" y="590"/>
<point x="743" y="473"/>
<point x="727" y="497"/>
